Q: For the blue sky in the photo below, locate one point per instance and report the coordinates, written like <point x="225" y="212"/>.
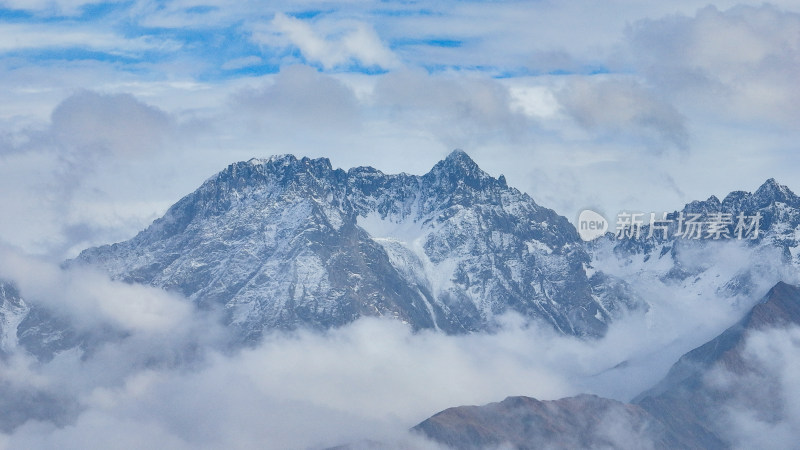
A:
<point x="111" y="111"/>
<point x="229" y="43"/>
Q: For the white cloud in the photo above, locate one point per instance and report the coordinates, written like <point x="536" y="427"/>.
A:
<point x="16" y="36"/>
<point x="241" y="63"/>
<point x="762" y="392"/>
<point x="91" y="299"/>
<point x="115" y="123"/>
<point x="536" y="101"/>
<point x="87" y="130"/>
<point x="336" y="45"/>
<point x="459" y="111"/>
<point x="740" y="63"/>
<point x="370" y="380"/>
<point x="49" y="7"/>
<point x="624" y="107"/>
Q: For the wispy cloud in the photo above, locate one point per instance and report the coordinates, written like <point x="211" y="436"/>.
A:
<point x="330" y="44"/>
<point x="25" y="37"/>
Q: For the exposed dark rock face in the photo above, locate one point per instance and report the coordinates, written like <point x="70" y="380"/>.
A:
<point x="585" y="421"/>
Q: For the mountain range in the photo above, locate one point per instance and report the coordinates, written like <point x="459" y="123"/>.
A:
<point x="282" y="243"/>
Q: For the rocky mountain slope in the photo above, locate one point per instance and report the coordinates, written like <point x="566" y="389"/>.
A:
<point x="690" y="405"/>
<point x="584" y="421"/>
<point x="685" y="410"/>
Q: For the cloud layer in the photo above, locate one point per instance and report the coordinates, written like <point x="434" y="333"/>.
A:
<point x="165" y="374"/>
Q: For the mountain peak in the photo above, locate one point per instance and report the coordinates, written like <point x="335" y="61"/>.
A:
<point x="763" y="199"/>
<point x="283" y="159"/>
<point x="289" y="160"/>
<point x="776" y="192"/>
<point x="459" y="160"/>
<point x="459" y="156"/>
<point x="459" y="166"/>
<point x="781" y="306"/>
<point x="772" y="183"/>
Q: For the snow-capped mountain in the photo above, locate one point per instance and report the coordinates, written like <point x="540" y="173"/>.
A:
<point x="736" y="249"/>
<point x="12" y="311"/>
<point x="769" y="215"/>
<point x="19" y="404"/>
<point x="283" y="242"/>
<point x="39" y="330"/>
